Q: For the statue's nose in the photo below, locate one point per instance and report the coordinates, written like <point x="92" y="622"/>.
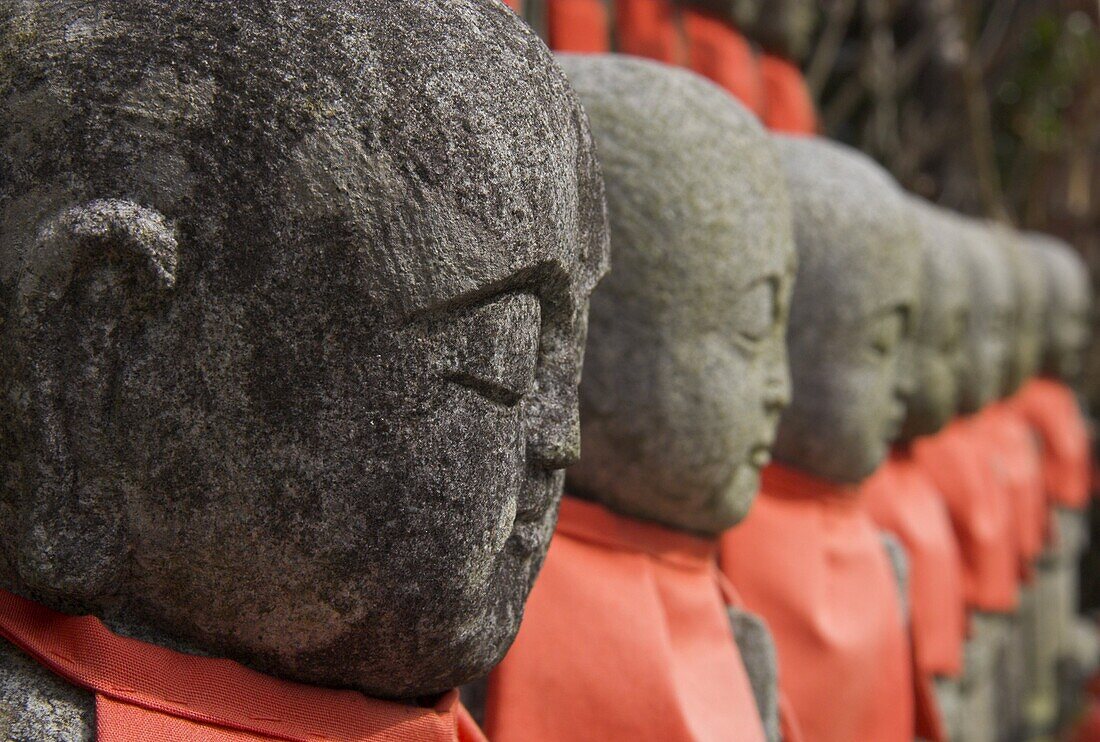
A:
<point x="556" y="441"/>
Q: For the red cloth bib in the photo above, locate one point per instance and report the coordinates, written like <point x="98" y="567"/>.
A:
<point x="516" y="5"/>
<point x="1015" y="456"/>
<point x="809" y="560"/>
<point x="580" y="26"/>
<point x="647" y="28"/>
<point x="625" y="637"/>
<point x="717" y="51"/>
<point x="1052" y="411"/>
<point x="788" y="105"/>
<point x="956" y="461"/>
<point x="902" y="500"/>
<point x="145" y="692"/>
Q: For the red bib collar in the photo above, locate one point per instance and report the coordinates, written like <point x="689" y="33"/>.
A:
<point x="146" y="692"/>
<point x="782" y="481"/>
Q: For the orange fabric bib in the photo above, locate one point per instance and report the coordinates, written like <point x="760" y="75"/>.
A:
<point x="625" y="637"/>
<point x="717" y="51"/>
<point x="1052" y="411"/>
<point x="145" y="692"/>
<point x="810" y="561"/>
<point x="579" y="26"/>
<point x="1014" y="454"/>
<point x="788" y="105"/>
<point x="902" y="499"/>
<point x="956" y="461"/>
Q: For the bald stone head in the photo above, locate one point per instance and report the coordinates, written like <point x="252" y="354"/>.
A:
<point x="294" y="300"/>
<point x="1066" y="316"/>
<point x="984" y="373"/>
<point x="940" y="324"/>
<point x="1026" y="330"/>
<point x="854" y="303"/>
<point x="686" y="371"/>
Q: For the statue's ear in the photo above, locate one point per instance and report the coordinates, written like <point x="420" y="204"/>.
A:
<point x="91" y="279"/>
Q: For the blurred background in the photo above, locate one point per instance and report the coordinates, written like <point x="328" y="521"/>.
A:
<point x="991" y="107"/>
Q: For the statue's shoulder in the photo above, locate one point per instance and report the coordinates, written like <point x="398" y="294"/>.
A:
<point x="37" y="706"/>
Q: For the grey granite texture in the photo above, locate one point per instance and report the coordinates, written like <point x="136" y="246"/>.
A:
<point x="1025" y="350"/>
<point x="855" y="299"/>
<point x="761" y="660"/>
<point x="1066" y="316"/>
<point x="939" y="327"/>
<point x="293" y="299"/>
<point x="983" y="374"/>
<point x="686" y="370"/>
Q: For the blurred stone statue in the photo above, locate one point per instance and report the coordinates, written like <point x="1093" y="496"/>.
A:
<point x="685" y="377"/>
<point x="808" y="558"/>
<point x="901" y="497"/>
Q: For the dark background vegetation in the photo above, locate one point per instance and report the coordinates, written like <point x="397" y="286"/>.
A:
<point x="991" y="107"/>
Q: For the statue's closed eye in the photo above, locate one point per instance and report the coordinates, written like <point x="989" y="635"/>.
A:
<point x="495" y="352"/>
<point x="757" y="312"/>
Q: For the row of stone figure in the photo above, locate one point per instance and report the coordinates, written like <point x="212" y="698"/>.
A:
<point x="295" y="298"/>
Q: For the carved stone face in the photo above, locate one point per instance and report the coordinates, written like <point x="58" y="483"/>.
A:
<point x="940" y="325"/>
<point x="1026" y="333"/>
<point x="294" y="324"/>
<point x="686" y="370"/>
<point x="1068" y="303"/>
<point x="854" y="301"/>
<point x="992" y="310"/>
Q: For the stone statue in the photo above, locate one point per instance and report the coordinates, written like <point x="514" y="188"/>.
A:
<point x="686" y="372"/>
<point x="901" y="497"/>
<point x="852" y="312"/>
<point x="940" y="326"/>
<point x="1026" y="335"/>
<point x="685" y="377"/>
<point x="1065" y="650"/>
<point x="294" y="298"/>
<point x="964" y="465"/>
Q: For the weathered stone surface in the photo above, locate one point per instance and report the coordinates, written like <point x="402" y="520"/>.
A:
<point x="1066" y="318"/>
<point x="293" y="299"/>
<point x="939" y="326"/>
<point x="1026" y="331"/>
<point x="686" y="371"/>
<point x="854" y="299"/>
<point x="761" y="659"/>
<point x="992" y="308"/>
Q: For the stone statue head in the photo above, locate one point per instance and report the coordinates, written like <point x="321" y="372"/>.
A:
<point x="293" y="300"/>
<point x="686" y="371"/>
<point x="940" y="324"/>
<point x="855" y="298"/>
<point x="1066" y="315"/>
<point x="1026" y="330"/>
<point x="982" y="377"/>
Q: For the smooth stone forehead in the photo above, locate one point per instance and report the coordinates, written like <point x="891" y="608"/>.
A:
<point x="1025" y="352"/>
<point x="856" y="241"/>
<point x="294" y="298"/>
<point x="1066" y="275"/>
<point x="671" y="405"/>
<point x="859" y="269"/>
<point x="940" y="323"/>
<point x="992" y="282"/>
<point x="944" y="288"/>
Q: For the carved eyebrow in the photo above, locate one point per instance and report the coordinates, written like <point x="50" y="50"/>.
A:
<point x="548" y="281"/>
